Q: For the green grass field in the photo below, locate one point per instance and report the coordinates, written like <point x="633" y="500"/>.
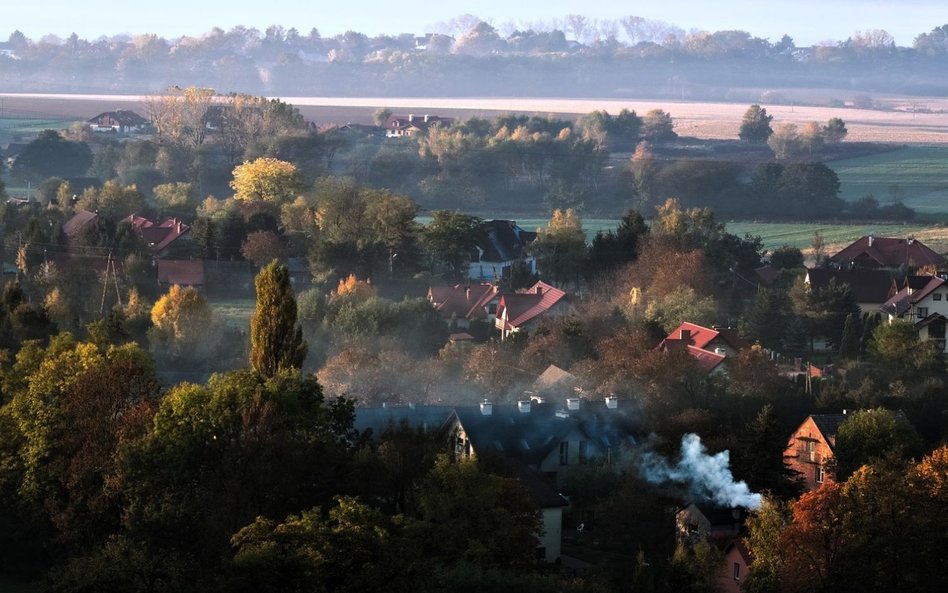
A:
<point x="773" y="234"/>
<point x="801" y="234"/>
<point x="918" y="175"/>
<point x="235" y="312"/>
<point x="10" y="128"/>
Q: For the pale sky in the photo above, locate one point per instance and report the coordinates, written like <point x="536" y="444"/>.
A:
<point x="807" y="21"/>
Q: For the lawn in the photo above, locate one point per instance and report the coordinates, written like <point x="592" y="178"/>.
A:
<point x="917" y="174"/>
<point x="235" y="312"/>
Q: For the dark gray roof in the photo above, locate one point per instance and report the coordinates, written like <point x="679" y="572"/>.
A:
<point x="531" y="436"/>
<point x="503" y="240"/>
<point x="866" y="285"/>
<point x="828" y="424"/>
<point x="427" y="418"/>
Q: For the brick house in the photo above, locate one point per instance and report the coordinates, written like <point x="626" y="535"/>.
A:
<point x="811" y="446"/>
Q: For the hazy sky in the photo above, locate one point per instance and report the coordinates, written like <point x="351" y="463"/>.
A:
<point x="807" y="21"/>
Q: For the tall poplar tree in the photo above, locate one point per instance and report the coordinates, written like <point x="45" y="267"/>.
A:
<point x="276" y="340"/>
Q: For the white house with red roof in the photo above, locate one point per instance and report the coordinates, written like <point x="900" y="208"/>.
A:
<point x="924" y="305"/>
<point x="710" y="347"/>
<point x="399" y="126"/>
<point x="520" y="311"/>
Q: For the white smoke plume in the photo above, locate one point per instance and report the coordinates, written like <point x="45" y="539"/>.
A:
<point x="707" y="476"/>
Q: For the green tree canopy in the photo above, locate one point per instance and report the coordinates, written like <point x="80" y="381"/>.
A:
<point x="276" y="341"/>
<point x="51" y="155"/>
<point x="871" y="434"/>
<point x="755" y="127"/>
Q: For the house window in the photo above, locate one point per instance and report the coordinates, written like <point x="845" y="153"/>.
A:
<point x="737" y="571"/>
<point x="582" y="452"/>
<point x="564" y="453"/>
<point x="936" y="296"/>
<point x="819" y="474"/>
<point x="922" y="311"/>
<point x="811" y="451"/>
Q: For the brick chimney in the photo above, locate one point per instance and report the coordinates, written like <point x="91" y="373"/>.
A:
<point x="685" y="336"/>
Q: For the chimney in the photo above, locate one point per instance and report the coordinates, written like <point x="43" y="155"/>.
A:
<point x="572" y="403"/>
<point x="467" y="292"/>
<point x="612" y="402"/>
<point x="411" y="117"/>
<point x="486" y="407"/>
<point x="720" y="351"/>
<point x="871" y="239"/>
<point x="539" y="289"/>
<point x="524" y="406"/>
<point x="426" y="117"/>
<point x="686" y="336"/>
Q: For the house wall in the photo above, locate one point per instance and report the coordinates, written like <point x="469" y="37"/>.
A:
<point x="807" y="451"/>
<point x="552" y="463"/>
<point x="727" y="583"/>
<point x="930" y="305"/>
<point x="691" y="524"/>
<point x="552" y="537"/>
<point x="492" y="271"/>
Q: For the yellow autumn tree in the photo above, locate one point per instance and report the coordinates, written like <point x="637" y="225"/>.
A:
<point x="181" y="318"/>
<point x="352" y="289"/>
<point x="266" y="179"/>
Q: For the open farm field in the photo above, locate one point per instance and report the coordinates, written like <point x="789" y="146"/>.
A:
<point x="918" y="175"/>
<point x="896" y="124"/>
<point x="775" y="234"/>
<point x="11" y="128"/>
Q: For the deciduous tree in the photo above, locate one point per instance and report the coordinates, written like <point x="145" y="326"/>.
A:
<point x="267" y="179"/>
<point x="755" y="127"/>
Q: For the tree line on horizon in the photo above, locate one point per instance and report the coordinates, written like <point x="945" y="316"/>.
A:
<point x="612" y="58"/>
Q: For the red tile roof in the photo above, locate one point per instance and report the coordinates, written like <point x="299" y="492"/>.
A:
<point x="707" y="360"/>
<point x="888" y="252"/>
<point x="158" y="235"/>
<point x="462" y="301"/>
<point x="700" y="336"/>
<point x="522" y="307"/>
<point x="74" y="225"/>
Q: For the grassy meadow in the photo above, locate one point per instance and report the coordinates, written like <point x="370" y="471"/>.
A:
<point x="918" y="175"/>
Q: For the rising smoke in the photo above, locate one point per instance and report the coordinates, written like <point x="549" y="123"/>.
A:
<point x="707" y="476"/>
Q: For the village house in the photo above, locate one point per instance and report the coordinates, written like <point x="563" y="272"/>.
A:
<point x="700" y="521"/>
<point x="400" y="126"/>
<point x="521" y="311"/>
<point x="923" y="301"/>
<point x="122" y="121"/>
<point x="811" y="446"/>
<point x="500" y="244"/>
<point x="537" y="443"/>
<point x="462" y="304"/>
<point x="159" y="236"/>
<point x="737" y="564"/>
<point x="75" y="225"/>
<point x="887" y="252"/>
<point x="710" y="347"/>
